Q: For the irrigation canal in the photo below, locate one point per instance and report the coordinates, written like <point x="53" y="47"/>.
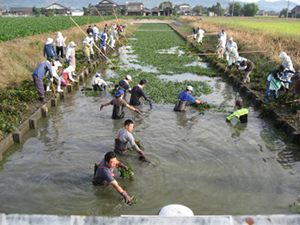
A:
<point x="213" y="167"/>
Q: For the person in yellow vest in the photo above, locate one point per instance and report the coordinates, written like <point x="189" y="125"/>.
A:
<point x="241" y="113"/>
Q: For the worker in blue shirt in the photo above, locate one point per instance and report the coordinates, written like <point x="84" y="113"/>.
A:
<point x="183" y="98"/>
<point x="39" y="73"/>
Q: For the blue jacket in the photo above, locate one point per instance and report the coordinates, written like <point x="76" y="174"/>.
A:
<point x="185" y="96"/>
<point x="49" y="50"/>
<point x="42" y="70"/>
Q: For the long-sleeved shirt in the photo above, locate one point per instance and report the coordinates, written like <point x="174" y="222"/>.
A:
<point x="99" y="81"/>
<point x="231" y="45"/>
<point x="49" y="50"/>
<point x="42" y="69"/>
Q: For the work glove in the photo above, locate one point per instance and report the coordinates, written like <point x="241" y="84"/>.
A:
<point x="138" y="111"/>
<point x="142" y="154"/>
<point x="287" y="81"/>
<point x="122" y="166"/>
<point x="67" y="60"/>
<point x="232" y="52"/>
<point x="294" y="94"/>
<point x="104" y="87"/>
<point x="90" y="42"/>
<point x="127" y="199"/>
<point x="227" y="62"/>
<point x="93" y="44"/>
<point x="51" y="79"/>
<point x="101" y="107"/>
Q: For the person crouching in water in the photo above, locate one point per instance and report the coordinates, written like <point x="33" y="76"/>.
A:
<point x="119" y="103"/>
<point x="104" y="174"/>
<point x="98" y="83"/>
<point x="183" y="98"/>
<point x="124" y="136"/>
<point x="241" y="113"/>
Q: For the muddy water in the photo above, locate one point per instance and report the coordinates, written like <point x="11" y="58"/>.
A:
<point x="199" y="161"/>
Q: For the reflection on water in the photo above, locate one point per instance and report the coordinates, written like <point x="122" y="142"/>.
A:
<point x="200" y="161"/>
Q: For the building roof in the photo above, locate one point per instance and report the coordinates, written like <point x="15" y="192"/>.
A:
<point x="296" y="8"/>
<point x="108" y="2"/>
<point x="57" y="6"/>
<point x="19" y="9"/>
<point x="134" y="3"/>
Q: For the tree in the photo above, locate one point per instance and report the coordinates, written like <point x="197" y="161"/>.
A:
<point x="283" y="12"/>
<point x="43" y="10"/>
<point x="198" y="9"/>
<point x="165" y="4"/>
<point x="85" y="11"/>
<point x="236" y="8"/>
<point x="217" y="9"/>
<point x="250" y="9"/>
<point x="36" y="11"/>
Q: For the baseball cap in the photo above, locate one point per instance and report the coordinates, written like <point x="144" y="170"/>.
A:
<point x="190" y="88"/>
<point x="119" y="93"/>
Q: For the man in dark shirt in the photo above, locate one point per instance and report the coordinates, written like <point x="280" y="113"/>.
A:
<point x="90" y="29"/>
<point x="119" y="104"/>
<point x="137" y="92"/>
<point x="104" y="174"/>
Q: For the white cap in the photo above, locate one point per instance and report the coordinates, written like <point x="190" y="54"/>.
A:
<point x="175" y="210"/>
<point x="230" y="39"/>
<point x="91" y="34"/>
<point x="282" y="55"/>
<point x="128" y="77"/>
<point x="49" y="40"/>
<point x="190" y="88"/>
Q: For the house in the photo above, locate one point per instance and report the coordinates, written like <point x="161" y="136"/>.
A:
<point x="155" y="11"/>
<point x="211" y="14"/>
<point x="59" y="8"/>
<point x="166" y="9"/>
<point x="1" y="11"/>
<point x="262" y="13"/>
<point x="295" y="11"/>
<point x="184" y="10"/>
<point x="77" y="12"/>
<point x="134" y="8"/>
<point x="105" y="7"/>
<point x="21" y="10"/>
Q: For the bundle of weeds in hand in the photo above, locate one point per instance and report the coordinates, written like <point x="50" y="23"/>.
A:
<point x="126" y="173"/>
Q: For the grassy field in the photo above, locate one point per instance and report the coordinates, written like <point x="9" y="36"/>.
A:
<point x="276" y="26"/>
<point x="12" y="28"/>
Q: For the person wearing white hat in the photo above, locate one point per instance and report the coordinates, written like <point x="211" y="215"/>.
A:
<point x="124" y="85"/>
<point x="95" y="32"/>
<point x="55" y="67"/>
<point x="70" y="55"/>
<point x="87" y="49"/>
<point x="90" y="40"/>
<point x="247" y="65"/>
<point x="184" y="97"/>
<point x="175" y="210"/>
<point x="49" y="49"/>
<point x="200" y="35"/>
<point x="60" y="44"/>
<point x="288" y="68"/>
<point x="231" y="52"/>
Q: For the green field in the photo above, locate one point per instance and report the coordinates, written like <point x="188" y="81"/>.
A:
<point x="12" y="28"/>
<point x="289" y="28"/>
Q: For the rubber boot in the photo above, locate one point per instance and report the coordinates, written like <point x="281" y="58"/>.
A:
<point x="43" y="100"/>
<point x="93" y="57"/>
<point x="48" y="88"/>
